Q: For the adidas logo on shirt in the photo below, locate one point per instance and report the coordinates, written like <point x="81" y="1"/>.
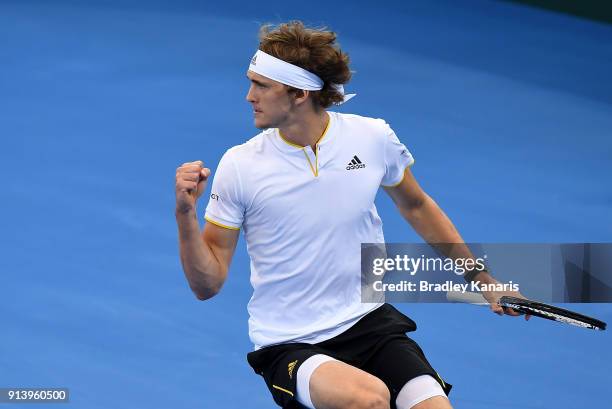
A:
<point x="355" y="164"/>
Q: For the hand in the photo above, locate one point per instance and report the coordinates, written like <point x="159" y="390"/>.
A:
<point x="493" y="298"/>
<point x="191" y="180"/>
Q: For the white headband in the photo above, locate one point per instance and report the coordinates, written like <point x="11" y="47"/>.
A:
<point x="289" y="74"/>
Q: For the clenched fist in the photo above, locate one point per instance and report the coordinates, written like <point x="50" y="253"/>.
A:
<point x="191" y="179"/>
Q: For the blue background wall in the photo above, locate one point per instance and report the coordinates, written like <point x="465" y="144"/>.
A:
<point x="507" y="109"/>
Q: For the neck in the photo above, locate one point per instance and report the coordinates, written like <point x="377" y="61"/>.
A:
<point x="307" y="130"/>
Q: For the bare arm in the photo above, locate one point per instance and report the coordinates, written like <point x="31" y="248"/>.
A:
<point x="432" y="224"/>
<point x="422" y="212"/>
<point x="205" y="255"/>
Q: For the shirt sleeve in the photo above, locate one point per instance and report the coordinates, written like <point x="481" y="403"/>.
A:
<point x="225" y="206"/>
<point x="397" y="159"/>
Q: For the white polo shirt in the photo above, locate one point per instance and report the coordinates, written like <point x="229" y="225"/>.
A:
<point x="304" y="217"/>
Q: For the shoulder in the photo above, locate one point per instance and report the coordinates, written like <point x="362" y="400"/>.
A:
<point x="363" y="130"/>
<point x="250" y="148"/>
<point x="362" y="124"/>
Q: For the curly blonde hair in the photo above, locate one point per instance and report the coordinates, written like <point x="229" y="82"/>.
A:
<point x="315" y="50"/>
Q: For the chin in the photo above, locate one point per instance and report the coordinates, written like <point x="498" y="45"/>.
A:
<point x="261" y="124"/>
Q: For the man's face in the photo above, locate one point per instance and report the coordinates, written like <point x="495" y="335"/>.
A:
<point x="270" y="100"/>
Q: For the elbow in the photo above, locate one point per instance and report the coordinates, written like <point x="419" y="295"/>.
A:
<point x="204" y="297"/>
<point x="203" y="294"/>
<point x="413" y="208"/>
<point x="205" y="285"/>
<point x="418" y="202"/>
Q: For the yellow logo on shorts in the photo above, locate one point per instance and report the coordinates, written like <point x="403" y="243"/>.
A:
<point x="290" y="368"/>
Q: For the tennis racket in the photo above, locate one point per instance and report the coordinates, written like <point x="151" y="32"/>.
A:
<point x="537" y="309"/>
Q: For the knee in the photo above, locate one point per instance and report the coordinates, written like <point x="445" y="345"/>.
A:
<point x="375" y="397"/>
<point x="376" y="401"/>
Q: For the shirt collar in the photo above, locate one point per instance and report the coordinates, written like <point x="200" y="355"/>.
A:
<point x="288" y="147"/>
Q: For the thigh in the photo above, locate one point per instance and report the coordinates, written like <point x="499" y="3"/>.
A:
<point x="435" y="402"/>
<point x="279" y="365"/>
<point x="332" y="384"/>
<point x="338" y="385"/>
<point x="399" y="360"/>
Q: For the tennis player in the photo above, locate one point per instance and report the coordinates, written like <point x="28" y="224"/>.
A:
<point x="303" y="193"/>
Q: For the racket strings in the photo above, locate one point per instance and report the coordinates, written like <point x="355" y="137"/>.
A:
<point x="553" y="316"/>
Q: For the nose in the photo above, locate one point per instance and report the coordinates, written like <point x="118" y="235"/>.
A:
<point x="250" y="95"/>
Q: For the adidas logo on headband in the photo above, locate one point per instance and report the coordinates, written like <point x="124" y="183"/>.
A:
<point x="290" y="74"/>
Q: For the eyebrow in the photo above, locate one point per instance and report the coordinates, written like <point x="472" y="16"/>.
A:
<point x="255" y="81"/>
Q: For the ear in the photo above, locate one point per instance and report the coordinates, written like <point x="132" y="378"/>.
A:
<point x="301" y="95"/>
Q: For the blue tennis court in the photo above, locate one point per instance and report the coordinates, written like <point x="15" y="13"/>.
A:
<point x="507" y="110"/>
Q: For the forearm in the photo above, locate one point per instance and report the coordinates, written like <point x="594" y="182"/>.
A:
<point x="430" y="222"/>
<point x="204" y="273"/>
<point x="434" y="226"/>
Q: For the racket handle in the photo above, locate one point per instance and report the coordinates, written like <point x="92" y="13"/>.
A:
<point x="466" y="297"/>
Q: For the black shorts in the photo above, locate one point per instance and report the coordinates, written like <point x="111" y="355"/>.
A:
<point x="376" y="344"/>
